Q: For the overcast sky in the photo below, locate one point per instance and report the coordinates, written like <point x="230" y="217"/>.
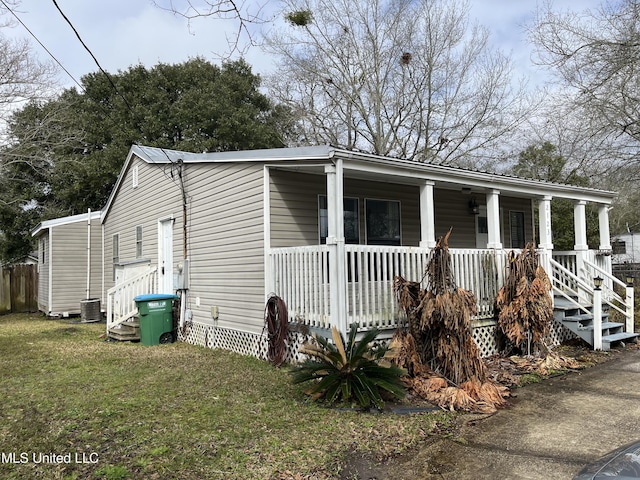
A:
<point x="121" y="33"/>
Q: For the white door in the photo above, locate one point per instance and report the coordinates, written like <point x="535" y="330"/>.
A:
<point x="165" y="256"/>
<point x="482" y="228"/>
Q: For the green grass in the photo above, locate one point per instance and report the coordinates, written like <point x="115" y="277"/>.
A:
<point x="170" y="411"/>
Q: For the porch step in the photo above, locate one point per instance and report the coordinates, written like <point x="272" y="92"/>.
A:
<point x="126" y="331"/>
<point x="581" y="323"/>
<point x="618" y="337"/>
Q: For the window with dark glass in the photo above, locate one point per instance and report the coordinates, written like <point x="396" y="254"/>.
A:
<point x="351" y="219"/>
<point x="516" y="226"/>
<point x="618" y="247"/>
<point x="139" y="241"/>
<point x="383" y="222"/>
<point x="115" y="253"/>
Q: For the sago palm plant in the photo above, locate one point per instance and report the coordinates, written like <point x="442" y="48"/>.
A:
<point x="357" y="371"/>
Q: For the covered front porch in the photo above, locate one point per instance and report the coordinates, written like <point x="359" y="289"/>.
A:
<point x="338" y="270"/>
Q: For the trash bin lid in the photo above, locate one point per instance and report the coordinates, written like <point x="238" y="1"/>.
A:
<point x="155" y="296"/>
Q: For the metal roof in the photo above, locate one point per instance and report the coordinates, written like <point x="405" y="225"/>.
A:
<point x="82" y="217"/>
<point x="367" y="164"/>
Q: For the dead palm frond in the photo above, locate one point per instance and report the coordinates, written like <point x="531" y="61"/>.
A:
<point x="438" y="351"/>
<point x="524" y="302"/>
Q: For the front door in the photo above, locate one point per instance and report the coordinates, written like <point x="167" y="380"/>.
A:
<point x="165" y="256"/>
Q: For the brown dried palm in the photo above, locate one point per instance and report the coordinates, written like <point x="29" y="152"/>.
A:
<point x="524" y="302"/>
<point x="439" y="352"/>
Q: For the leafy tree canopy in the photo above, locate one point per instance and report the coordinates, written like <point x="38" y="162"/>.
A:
<point x="543" y="162"/>
<point x="65" y="154"/>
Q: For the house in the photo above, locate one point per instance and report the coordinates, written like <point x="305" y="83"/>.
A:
<point x="626" y="248"/>
<point x="327" y="230"/>
<point x="69" y="263"/>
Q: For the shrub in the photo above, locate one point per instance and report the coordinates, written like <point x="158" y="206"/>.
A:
<point x="355" y="372"/>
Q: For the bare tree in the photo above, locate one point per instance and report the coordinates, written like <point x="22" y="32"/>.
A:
<point x="22" y="76"/>
<point x="597" y="55"/>
<point x="244" y="12"/>
<point x="590" y="148"/>
<point x="408" y="78"/>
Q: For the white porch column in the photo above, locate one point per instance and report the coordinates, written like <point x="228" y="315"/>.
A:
<point x="546" y="240"/>
<point x="493" y="219"/>
<point x="603" y="220"/>
<point x="605" y="241"/>
<point x="581" y="247"/>
<point x="580" y="225"/>
<point x="544" y="223"/>
<point x="335" y="241"/>
<point x="427" y="215"/>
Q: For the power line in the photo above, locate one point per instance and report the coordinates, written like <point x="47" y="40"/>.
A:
<point x="93" y="56"/>
<point x="42" y="45"/>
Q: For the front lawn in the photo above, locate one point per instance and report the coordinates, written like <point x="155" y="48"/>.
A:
<point x="74" y="406"/>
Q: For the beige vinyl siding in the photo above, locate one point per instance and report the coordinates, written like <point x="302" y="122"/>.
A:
<point x="43" y="271"/>
<point x="156" y="197"/>
<point x="409" y="197"/>
<point x="294" y="207"/>
<point x="68" y="264"/>
<point x="508" y="204"/>
<point x="294" y="210"/>
<point x="452" y="211"/>
<point x="226" y="243"/>
<point x="225" y="234"/>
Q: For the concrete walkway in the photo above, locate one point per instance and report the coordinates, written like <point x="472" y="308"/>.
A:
<point x="549" y="431"/>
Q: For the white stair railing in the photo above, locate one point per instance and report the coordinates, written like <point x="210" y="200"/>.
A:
<point x="611" y="297"/>
<point x="120" y="303"/>
<point x="566" y="284"/>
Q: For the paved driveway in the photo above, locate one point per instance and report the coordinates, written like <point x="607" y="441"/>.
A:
<point x="549" y="431"/>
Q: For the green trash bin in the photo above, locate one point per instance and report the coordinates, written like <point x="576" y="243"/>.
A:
<point x="155" y="312"/>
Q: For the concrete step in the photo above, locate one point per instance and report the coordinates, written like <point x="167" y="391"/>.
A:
<point x="124" y="337"/>
<point x="126" y="331"/>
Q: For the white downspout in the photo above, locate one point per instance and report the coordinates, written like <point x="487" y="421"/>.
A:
<point x="88" y="295"/>
<point x="50" y="272"/>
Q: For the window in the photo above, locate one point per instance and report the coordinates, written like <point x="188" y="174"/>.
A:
<point x="43" y="251"/>
<point x="516" y="226"/>
<point x="115" y="253"/>
<point x="383" y="222"/>
<point x="618" y="247"/>
<point x="483" y="226"/>
<point x="134" y="177"/>
<point x="351" y="219"/>
<point x="139" y="241"/>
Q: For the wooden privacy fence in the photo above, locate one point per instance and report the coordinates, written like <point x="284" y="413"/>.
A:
<point x="18" y="288"/>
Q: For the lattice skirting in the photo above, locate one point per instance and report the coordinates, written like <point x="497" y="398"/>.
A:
<point x="256" y="345"/>
<point x="244" y="343"/>
<point x="486" y="337"/>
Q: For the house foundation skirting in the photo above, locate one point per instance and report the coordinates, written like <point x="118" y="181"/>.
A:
<point x="256" y="345"/>
<point x="244" y="343"/>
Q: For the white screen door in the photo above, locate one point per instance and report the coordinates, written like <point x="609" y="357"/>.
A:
<point x="165" y="256"/>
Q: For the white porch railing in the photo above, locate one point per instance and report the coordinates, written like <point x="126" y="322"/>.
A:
<point x="300" y="275"/>
<point x="120" y="304"/>
<point x="572" y="278"/>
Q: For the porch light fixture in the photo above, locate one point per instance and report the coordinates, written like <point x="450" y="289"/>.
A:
<point x="629" y="280"/>
<point x="474" y="208"/>
<point x="597" y="282"/>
